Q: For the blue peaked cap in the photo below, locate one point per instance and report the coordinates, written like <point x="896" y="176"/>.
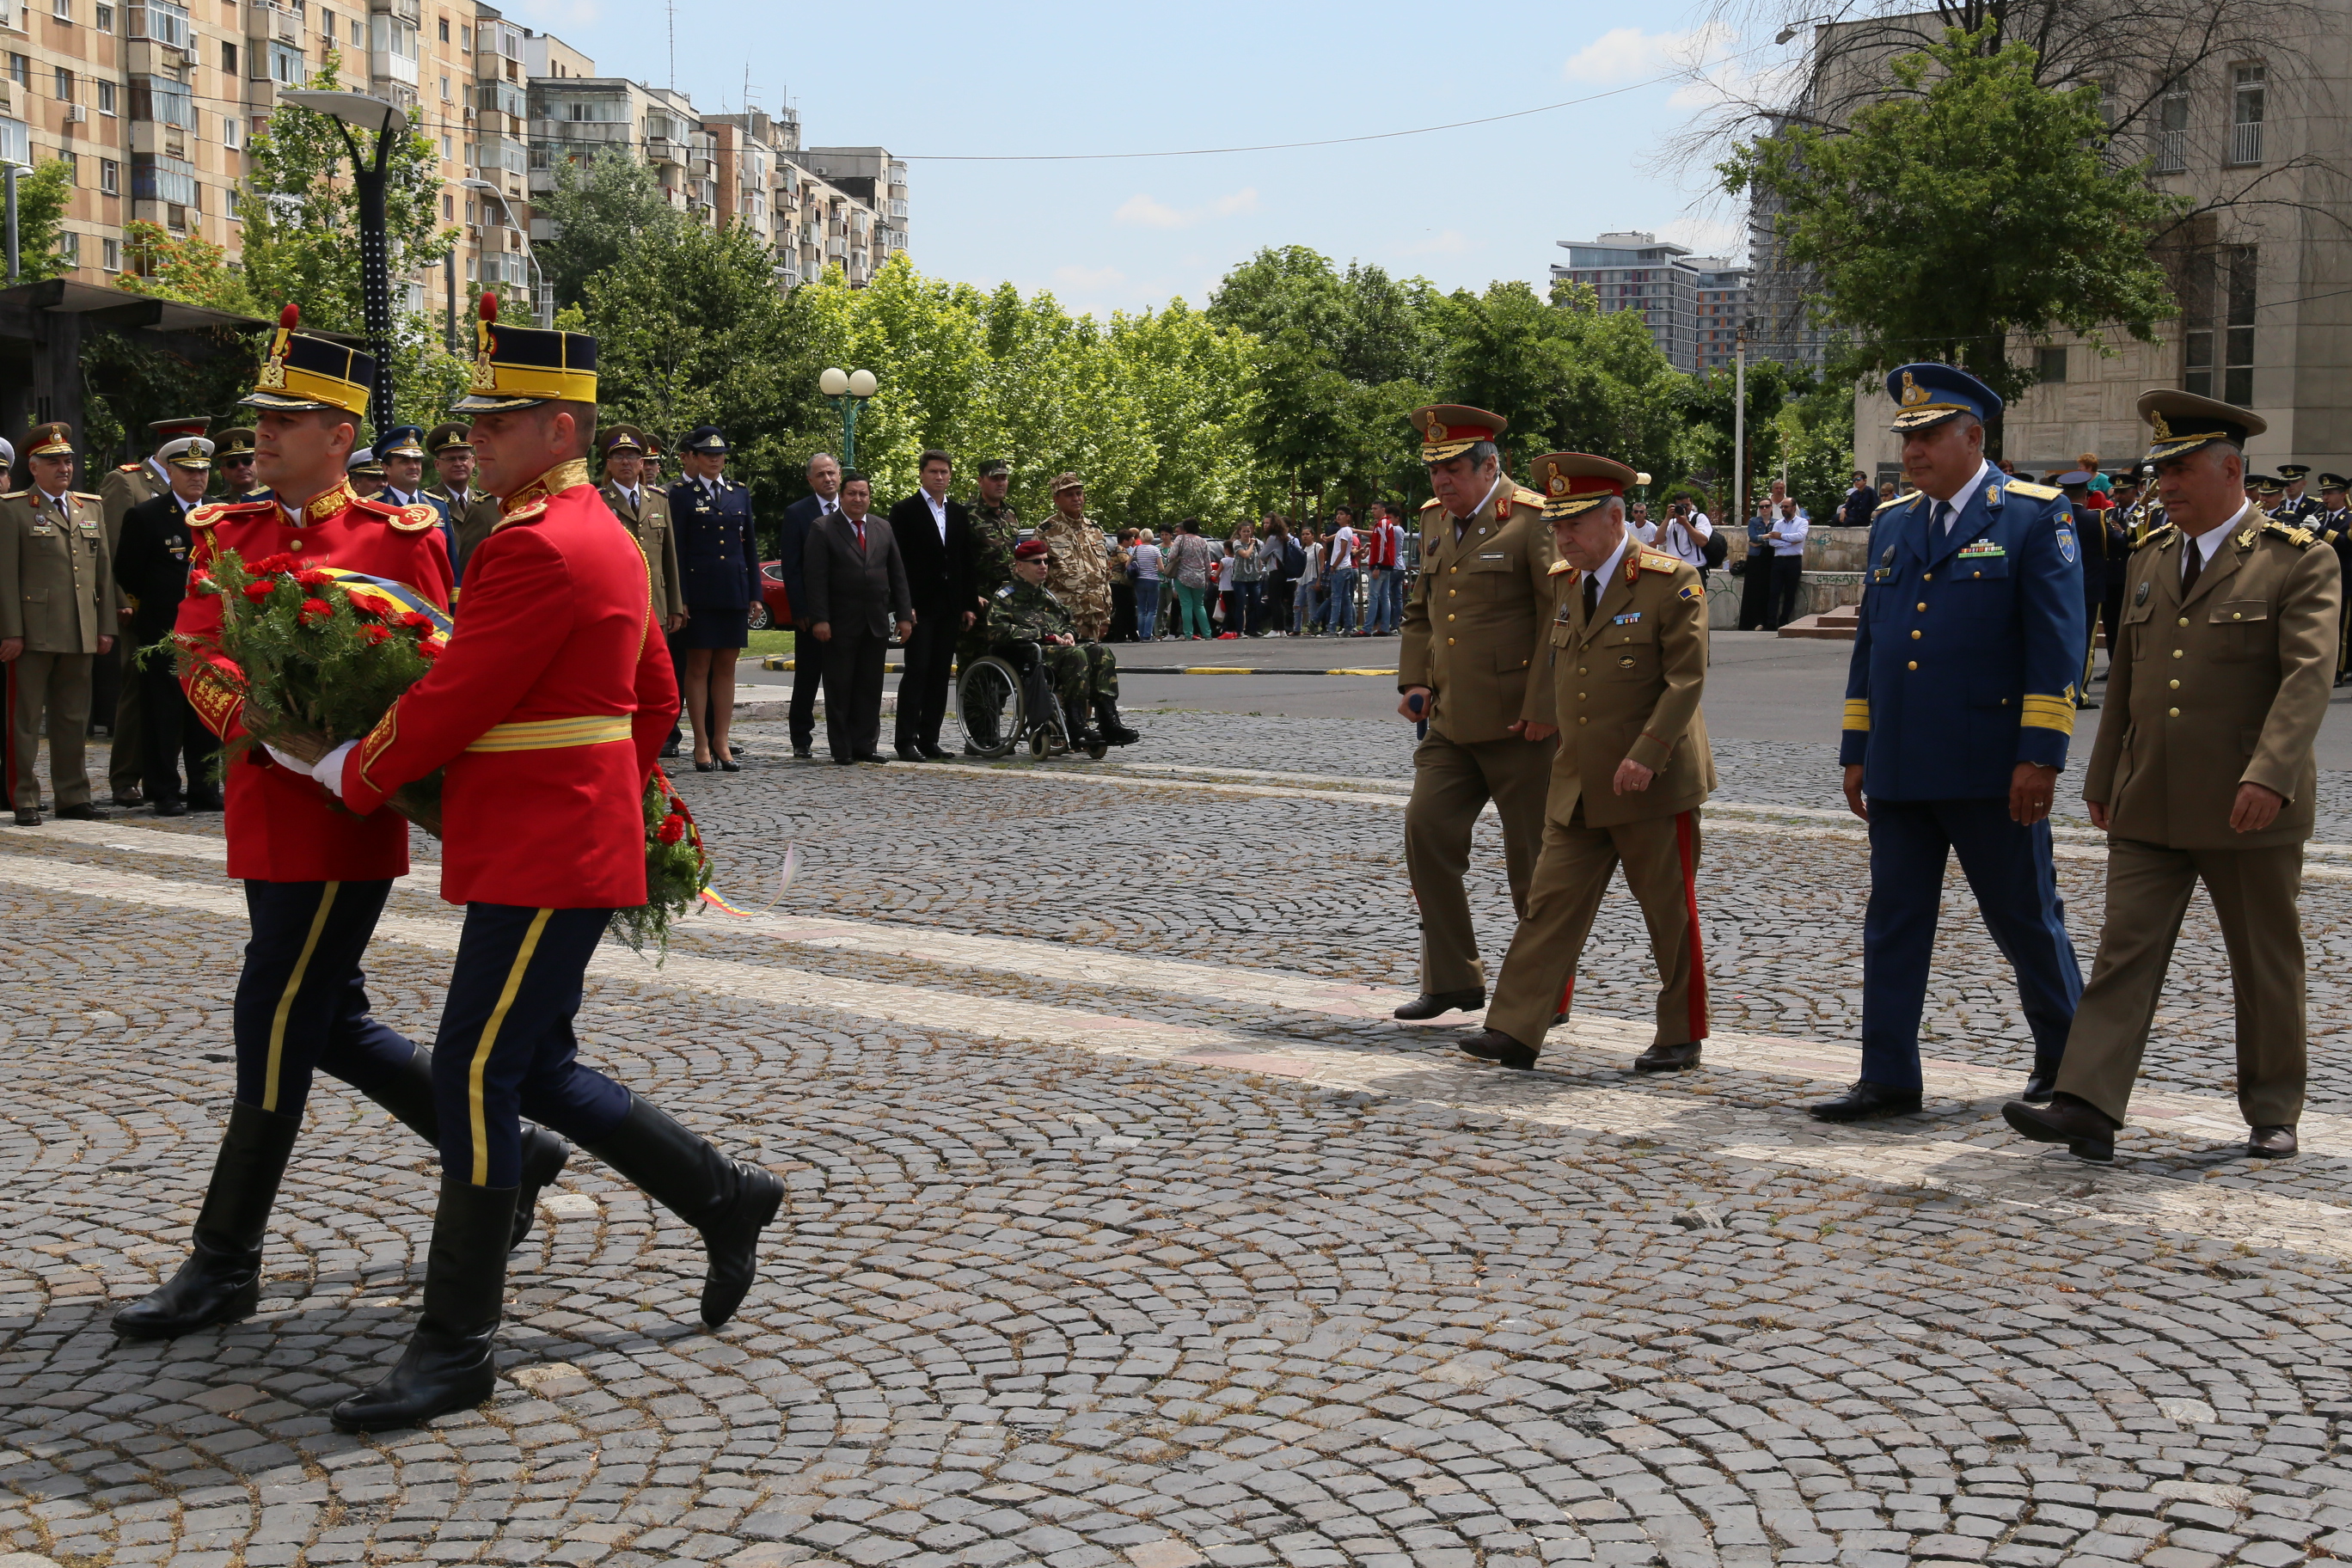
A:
<point x="1927" y="394"/>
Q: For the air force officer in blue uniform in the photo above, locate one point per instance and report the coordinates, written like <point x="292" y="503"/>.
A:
<point x="1959" y="708"/>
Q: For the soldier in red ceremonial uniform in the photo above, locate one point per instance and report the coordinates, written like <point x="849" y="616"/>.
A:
<point x="316" y="877"/>
<point x="546" y="711"/>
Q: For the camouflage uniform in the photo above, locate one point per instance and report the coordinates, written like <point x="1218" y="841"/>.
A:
<point x="1079" y="572"/>
<point x="1023" y="612"/>
<point x="994" y="533"/>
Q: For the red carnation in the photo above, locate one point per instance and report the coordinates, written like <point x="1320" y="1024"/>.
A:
<point x="313" y="611"/>
<point x="313" y="578"/>
<point x="417" y="621"/>
<point x="269" y="563"/>
<point x="430" y="649"/>
<point x="374" y="635"/>
<point x="256" y="592"/>
<point x="672" y="829"/>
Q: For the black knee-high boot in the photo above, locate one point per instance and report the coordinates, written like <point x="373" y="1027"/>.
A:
<point x="728" y="1201"/>
<point x="221" y="1280"/>
<point x="449" y="1364"/>
<point x="408" y="1095"/>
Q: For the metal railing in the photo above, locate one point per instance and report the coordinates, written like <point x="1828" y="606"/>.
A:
<point x="2246" y="142"/>
<point x="2171" y="151"/>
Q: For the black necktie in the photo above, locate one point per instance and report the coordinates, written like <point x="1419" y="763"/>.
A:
<point x="1943" y="517"/>
<point x="2191" y="566"/>
<point x="1592" y="596"/>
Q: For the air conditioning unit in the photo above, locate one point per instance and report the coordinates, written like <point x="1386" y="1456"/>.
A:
<point x="188" y="56"/>
<point x="77" y="115"/>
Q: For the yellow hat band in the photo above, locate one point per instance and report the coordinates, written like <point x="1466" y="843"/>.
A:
<point x="297" y="386"/>
<point x="56" y="446"/>
<point x="539" y="380"/>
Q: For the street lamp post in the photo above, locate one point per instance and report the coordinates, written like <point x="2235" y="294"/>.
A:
<point x="847" y="390"/>
<point x="361" y="112"/>
<point x="541" y="304"/>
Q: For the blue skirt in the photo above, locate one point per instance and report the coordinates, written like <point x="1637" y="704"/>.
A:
<point x="713" y="629"/>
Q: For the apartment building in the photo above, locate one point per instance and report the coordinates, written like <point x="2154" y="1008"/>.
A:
<point x="868" y="177"/>
<point x="1692" y="304"/>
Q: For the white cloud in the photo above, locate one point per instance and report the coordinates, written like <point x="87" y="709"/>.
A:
<point x="1624" y="56"/>
<point x="1149" y="212"/>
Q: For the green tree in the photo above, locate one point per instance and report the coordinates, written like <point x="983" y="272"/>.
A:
<point x="186" y="267"/>
<point x="41" y="200"/>
<point x="1972" y="204"/>
<point x="597" y="209"/>
<point x="1712" y="400"/>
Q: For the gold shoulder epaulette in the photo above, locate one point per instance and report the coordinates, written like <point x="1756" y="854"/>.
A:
<point x="89" y="494"/>
<point x="1526" y="497"/>
<point x="215" y="511"/>
<point x="15" y="495"/>
<point x="523" y="513"/>
<point x="1904" y="500"/>
<point x="414" y="518"/>
<point x="1658" y="560"/>
<point x="2161" y="534"/>
<point x="2301" y="538"/>
<point x="1429" y="502"/>
<point x="129" y="467"/>
<point x="1557" y="567"/>
<point x="2039" y="492"/>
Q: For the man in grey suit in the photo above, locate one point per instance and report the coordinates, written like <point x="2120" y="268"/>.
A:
<point x="856" y="587"/>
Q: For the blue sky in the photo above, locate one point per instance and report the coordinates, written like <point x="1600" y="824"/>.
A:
<point x="1460" y="207"/>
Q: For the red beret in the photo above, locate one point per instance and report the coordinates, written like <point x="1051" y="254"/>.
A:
<point x="1032" y="550"/>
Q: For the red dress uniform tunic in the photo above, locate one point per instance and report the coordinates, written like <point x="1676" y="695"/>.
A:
<point x="282" y="828"/>
<point x="548" y="710"/>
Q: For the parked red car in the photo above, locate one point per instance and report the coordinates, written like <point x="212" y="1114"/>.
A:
<point x="774" y="608"/>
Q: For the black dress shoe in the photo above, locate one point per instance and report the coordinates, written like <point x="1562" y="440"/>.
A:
<point x="2270" y="1142"/>
<point x="1494" y="1045"/>
<point x="1430" y="1004"/>
<point x="171" y="808"/>
<point x="803" y="754"/>
<point x="876" y="758"/>
<point x="2082" y="1127"/>
<point x="2041" y="1083"/>
<point x="934" y="754"/>
<point x="846" y="762"/>
<point x="1864" y="1101"/>
<point x="30" y="816"/>
<point x="85" y="812"/>
<point x="672" y="749"/>
<point x="908" y="753"/>
<point x="126" y="797"/>
<point x="1668" y="1058"/>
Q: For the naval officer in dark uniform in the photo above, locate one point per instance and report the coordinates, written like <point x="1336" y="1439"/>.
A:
<point x="720" y="561"/>
<point x="1960" y="705"/>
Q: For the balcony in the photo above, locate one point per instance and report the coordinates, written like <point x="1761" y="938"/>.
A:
<point x="264" y="20"/>
<point x="409" y="11"/>
<point x="700" y="167"/>
<point x="2246" y="142"/>
<point x="660" y="150"/>
<point x="384" y="65"/>
<point x="2171" y="151"/>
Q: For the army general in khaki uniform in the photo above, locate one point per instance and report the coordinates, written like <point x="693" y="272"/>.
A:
<point x="2203" y="772"/>
<point x="58" y="610"/>
<point x="644" y="511"/>
<point x="1618" y="673"/>
<point x="1470" y="628"/>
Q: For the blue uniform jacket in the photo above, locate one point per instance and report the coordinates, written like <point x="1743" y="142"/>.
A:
<point x="1970" y="645"/>
<point x="716" y="555"/>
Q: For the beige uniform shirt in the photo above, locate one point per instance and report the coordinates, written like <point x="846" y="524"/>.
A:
<point x="1079" y="572"/>
<point x="649" y="521"/>
<point x="123" y="489"/>
<point x="1626" y="684"/>
<point x="57" y="572"/>
<point x="2223" y="686"/>
<point x="1471" y="620"/>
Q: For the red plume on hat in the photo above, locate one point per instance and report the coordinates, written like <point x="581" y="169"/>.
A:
<point x="483" y="339"/>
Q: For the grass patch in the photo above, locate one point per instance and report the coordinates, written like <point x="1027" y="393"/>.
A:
<point x="771" y="642"/>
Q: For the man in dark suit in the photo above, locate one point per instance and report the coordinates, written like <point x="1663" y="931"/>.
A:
<point x="934" y="536"/>
<point x="150" y="567"/>
<point x="856" y="587"/>
<point x="799" y="521"/>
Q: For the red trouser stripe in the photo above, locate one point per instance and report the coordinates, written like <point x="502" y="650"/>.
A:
<point x="1684" y="832"/>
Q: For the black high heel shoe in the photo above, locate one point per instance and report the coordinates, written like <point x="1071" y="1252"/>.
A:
<point x="703" y="767"/>
<point x="728" y="764"/>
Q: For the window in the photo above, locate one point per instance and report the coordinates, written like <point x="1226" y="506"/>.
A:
<point x="2050" y="364"/>
<point x="110" y="176"/>
<point x="15" y="140"/>
<point x="285" y="64"/>
<point x="2238" y="346"/>
<point x="354" y="30"/>
<point x="105" y="18"/>
<point x="445" y="148"/>
<point x="228" y="56"/>
<point x="156" y="178"/>
<point x="2246" y="113"/>
<point x="20" y="71"/>
<point x="465" y="37"/>
<point x="2172" y="133"/>
<point x="69" y="243"/>
<point x="444" y="29"/>
<point x="63" y="11"/>
<point x="105" y="96"/>
<point x="444" y="90"/>
<point x="327" y="24"/>
<point x="65" y="85"/>
<point x="160" y="98"/>
<point x="449" y="208"/>
<point x="232" y="132"/>
<point x="2219" y="284"/>
<point x="110" y="254"/>
<point x="163" y="21"/>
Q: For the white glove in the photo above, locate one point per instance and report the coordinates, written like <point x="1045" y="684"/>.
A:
<point x="330" y="770"/>
<point x="290" y="761"/>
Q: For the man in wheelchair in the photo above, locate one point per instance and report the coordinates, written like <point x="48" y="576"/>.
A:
<point x="1030" y="629"/>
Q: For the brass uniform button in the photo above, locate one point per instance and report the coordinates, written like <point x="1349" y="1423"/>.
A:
<point x="1915" y="636"/>
<point x="2184" y="620"/>
<point x="1913" y="665"/>
<point x="1927" y="576"/>
<point x="1449" y="617"/>
<point x="1449" y="642"/>
<point x="2235" y="615"/>
<point x="1579" y="697"/>
<point x="2176" y="653"/>
<point x="1582" y="719"/>
<point x="2175" y="712"/>
<point x="1581" y="670"/>
<point x="2176" y="686"/>
<point x="1923" y="604"/>
<point x="1453" y="593"/>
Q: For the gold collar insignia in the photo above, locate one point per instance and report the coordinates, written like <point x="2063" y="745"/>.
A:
<point x="554" y="483"/>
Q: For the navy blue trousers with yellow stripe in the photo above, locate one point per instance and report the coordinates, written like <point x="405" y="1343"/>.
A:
<point x="505" y="1049"/>
<point x="301" y="1000"/>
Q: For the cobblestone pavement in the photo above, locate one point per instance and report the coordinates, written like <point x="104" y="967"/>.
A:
<point x="1124" y="1228"/>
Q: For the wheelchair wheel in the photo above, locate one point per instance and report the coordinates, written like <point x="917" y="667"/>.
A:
<point x="988" y="701"/>
<point x="1099" y="750"/>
